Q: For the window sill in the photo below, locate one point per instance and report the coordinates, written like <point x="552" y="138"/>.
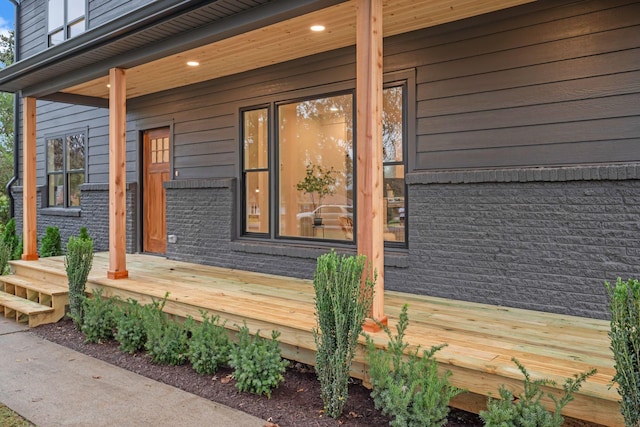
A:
<point x="393" y="257"/>
<point x="74" y="212"/>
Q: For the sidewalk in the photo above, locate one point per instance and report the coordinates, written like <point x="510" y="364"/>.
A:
<point x="51" y="385"/>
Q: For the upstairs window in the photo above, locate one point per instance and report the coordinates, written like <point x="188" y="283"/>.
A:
<point x="66" y="19"/>
<point x="65" y="169"/>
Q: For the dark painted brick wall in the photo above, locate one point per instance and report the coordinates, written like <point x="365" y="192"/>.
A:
<point x="94" y="215"/>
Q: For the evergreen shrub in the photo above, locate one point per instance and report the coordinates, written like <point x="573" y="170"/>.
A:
<point x="209" y="345"/>
<point x="51" y="244"/>
<point x="407" y="387"/>
<point x="130" y="328"/>
<point x="257" y="362"/>
<point x="78" y="261"/>
<point x="99" y="318"/>
<point x="624" y="305"/>
<point x="342" y="304"/>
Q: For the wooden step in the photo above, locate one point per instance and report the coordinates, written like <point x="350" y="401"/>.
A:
<point x="44" y="269"/>
<point x="25" y="311"/>
<point x="43" y="292"/>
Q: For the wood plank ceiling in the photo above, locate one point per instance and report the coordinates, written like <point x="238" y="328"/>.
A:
<point x="285" y="41"/>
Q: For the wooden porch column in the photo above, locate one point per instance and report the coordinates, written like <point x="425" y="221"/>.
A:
<point x="117" y="175"/>
<point x="29" y="221"/>
<point x="369" y="147"/>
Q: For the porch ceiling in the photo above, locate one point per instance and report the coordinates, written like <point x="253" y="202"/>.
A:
<point x="285" y="41"/>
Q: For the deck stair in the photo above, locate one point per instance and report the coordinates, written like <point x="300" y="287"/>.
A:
<point x="33" y="296"/>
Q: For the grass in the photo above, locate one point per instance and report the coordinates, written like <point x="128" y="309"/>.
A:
<point x="8" y="418"/>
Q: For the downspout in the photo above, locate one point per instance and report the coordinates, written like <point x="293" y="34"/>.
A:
<point x="16" y="111"/>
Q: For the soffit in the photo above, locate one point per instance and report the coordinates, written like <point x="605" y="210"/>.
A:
<point x="283" y="41"/>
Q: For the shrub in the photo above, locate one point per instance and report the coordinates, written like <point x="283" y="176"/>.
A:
<point x="84" y="234"/>
<point x="167" y="340"/>
<point x="209" y="345"/>
<point x="51" y="244"/>
<point x="527" y="410"/>
<point x="624" y="304"/>
<point x="341" y="307"/>
<point x="99" y="317"/>
<point x="5" y="256"/>
<point x="412" y="393"/>
<point x="78" y="262"/>
<point x="12" y="240"/>
<point x="257" y="362"/>
<point x="130" y="328"/>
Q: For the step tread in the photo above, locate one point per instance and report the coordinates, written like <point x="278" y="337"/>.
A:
<point x="35" y="284"/>
<point x="22" y="305"/>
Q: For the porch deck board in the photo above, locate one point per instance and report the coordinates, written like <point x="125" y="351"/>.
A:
<point x="481" y="339"/>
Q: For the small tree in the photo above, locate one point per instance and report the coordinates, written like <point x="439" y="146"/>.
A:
<point x="342" y="303"/>
<point x="51" y="243"/>
<point x="624" y="304"/>
<point x="318" y="181"/>
<point x="78" y="261"/>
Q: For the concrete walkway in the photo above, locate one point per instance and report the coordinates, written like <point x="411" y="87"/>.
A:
<point x="51" y="385"/>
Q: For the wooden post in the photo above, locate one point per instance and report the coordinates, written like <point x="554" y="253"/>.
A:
<point x="369" y="148"/>
<point x="29" y="203"/>
<point x="117" y="175"/>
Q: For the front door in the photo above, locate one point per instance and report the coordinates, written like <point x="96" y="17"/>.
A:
<point x="156" y="171"/>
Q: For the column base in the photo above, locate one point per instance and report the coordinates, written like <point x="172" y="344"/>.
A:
<point x="118" y="274"/>
<point x="30" y="257"/>
<point x="371" y="325"/>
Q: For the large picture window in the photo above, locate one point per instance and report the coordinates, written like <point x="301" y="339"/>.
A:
<point x="65" y="169"/>
<point x="311" y="195"/>
<point x="66" y="19"/>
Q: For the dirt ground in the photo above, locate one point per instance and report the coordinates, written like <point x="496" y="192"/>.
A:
<point x="296" y="402"/>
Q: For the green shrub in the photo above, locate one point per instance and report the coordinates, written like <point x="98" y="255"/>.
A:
<point x="527" y="410"/>
<point x="167" y="339"/>
<point x="209" y="345"/>
<point x="5" y="256"/>
<point x="99" y="317"/>
<point x="130" y="328"/>
<point x="78" y="262"/>
<point x="624" y="305"/>
<point x="51" y="244"/>
<point x="84" y="234"/>
<point x="408" y="387"/>
<point x="342" y="304"/>
<point x="257" y="362"/>
<point x="12" y="240"/>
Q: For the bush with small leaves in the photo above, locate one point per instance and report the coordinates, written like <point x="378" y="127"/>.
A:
<point x="84" y="234"/>
<point x="12" y="240"/>
<point x="78" y="261"/>
<point x="209" y="345"/>
<point x="5" y="256"/>
<point x="624" y="305"/>
<point x="526" y="409"/>
<point x="257" y="362"/>
<point x="342" y="303"/>
<point x="167" y="339"/>
<point x="51" y="244"/>
<point x="130" y="327"/>
<point x="99" y="318"/>
<point x="407" y="387"/>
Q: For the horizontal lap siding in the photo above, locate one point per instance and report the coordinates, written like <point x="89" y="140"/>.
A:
<point x="33" y="31"/>
<point x="561" y="86"/>
<point x="102" y="11"/>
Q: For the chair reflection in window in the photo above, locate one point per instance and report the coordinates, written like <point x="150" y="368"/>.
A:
<point x="346" y="223"/>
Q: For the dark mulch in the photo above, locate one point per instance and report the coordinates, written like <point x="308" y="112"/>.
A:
<point x="296" y="402"/>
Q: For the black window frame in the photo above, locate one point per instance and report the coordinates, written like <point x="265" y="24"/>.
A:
<point x="65" y="172"/>
<point x="67" y="24"/>
<point x="404" y="79"/>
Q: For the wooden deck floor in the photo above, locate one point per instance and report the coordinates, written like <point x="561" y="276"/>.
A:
<point x="481" y="338"/>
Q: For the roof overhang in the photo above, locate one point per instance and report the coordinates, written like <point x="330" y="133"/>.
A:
<point x="226" y="37"/>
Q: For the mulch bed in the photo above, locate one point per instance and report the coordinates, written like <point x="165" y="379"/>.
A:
<point x="296" y="402"/>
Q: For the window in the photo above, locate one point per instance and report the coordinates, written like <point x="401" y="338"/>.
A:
<point x="311" y="194"/>
<point x="255" y="125"/>
<point x="65" y="169"/>
<point x="66" y="19"/>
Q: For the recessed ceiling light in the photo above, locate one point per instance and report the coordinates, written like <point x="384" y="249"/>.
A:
<point x="193" y="63"/>
<point x="108" y="85"/>
<point x="317" y="28"/>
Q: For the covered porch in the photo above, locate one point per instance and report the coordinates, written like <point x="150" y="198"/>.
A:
<point x="481" y="339"/>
